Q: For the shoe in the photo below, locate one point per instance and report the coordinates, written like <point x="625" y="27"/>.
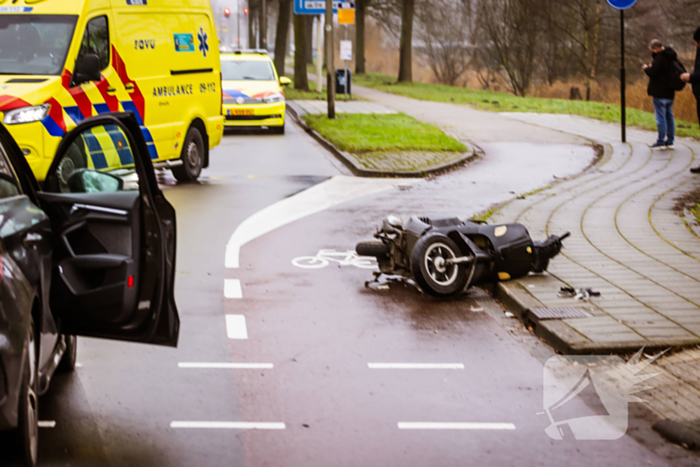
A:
<point x="669" y="145"/>
<point x="657" y="145"/>
<point x="695" y="170"/>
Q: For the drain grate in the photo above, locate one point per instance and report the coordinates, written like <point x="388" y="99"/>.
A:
<point x="559" y="313"/>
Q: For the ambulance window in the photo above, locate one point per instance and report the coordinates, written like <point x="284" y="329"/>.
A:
<point x="96" y="41"/>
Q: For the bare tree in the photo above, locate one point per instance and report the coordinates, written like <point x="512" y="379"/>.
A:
<point x="301" y="79"/>
<point x="445" y="28"/>
<point x="406" y="45"/>
<point x="360" y="10"/>
<point x="282" y="34"/>
<point x="509" y="29"/>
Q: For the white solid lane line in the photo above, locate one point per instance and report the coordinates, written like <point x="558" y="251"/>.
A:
<point x="231" y="425"/>
<point x="454" y="426"/>
<point x="232" y="288"/>
<point x="235" y="327"/>
<point x="337" y="190"/>
<point x="47" y="423"/>
<point x="227" y="366"/>
<point x="416" y="366"/>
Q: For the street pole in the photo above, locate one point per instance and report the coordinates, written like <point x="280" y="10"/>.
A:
<point x="623" y="83"/>
<point x="319" y="54"/>
<point x="345" y="87"/>
<point x="238" y="25"/>
<point x="263" y="25"/>
<point x="330" y="72"/>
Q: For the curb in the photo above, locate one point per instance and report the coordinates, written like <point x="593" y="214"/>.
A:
<point x="683" y="434"/>
<point x="563" y="339"/>
<point x="351" y="163"/>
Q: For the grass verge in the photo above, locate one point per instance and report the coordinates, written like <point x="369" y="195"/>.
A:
<point x="504" y="102"/>
<point x="368" y="133"/>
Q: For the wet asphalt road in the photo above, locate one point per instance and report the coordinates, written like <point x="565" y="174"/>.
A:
<point x="320" y="329"/>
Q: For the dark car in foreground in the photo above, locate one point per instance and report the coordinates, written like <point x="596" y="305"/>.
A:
<point x="91" y="252"/>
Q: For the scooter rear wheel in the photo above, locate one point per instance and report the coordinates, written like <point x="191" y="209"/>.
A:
<point x="430" y="268"/>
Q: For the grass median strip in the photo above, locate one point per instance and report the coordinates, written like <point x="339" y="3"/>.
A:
<point x="389" y="142"/>
<point x="505" y="102"/>
<point x="365" y="133"/>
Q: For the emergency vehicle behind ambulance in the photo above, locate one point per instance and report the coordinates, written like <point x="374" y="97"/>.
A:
<point x="62" y="61"/>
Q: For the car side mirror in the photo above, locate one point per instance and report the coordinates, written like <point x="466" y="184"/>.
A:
<point x="284" y="81"/>
<point x="88" y="69"/>
<point x="92" y="181"/>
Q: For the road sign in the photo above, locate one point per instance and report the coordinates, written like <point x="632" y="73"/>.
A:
<point x="622" y="4"/>
<point x="346" y="16"/>
<point x="318" y="7"/>
<point x="346" y="50"/>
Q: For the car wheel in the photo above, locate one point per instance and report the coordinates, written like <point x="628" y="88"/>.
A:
<point x="70" y="356"/>
<point x="74" y="159"/>
<point x="192" y="157"/>
<point x="430" y="268"/>
<point x="277" y="130"/>
<point x="28" y="414"/>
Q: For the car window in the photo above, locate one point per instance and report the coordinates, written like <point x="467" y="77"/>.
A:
<point x="96" y="41"/>
<point x="100" y="159"/>
<point x="35" y="44"/>
<point x="247" y="70"/>
<point x="9" y="185"/>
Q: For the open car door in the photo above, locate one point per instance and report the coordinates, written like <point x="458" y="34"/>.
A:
<point x="114" y="236"/>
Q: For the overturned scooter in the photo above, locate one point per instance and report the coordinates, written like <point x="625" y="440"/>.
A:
<point x="446" y="255"/>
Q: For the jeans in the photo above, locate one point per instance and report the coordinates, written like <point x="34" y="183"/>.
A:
<point x="664" y="120"/>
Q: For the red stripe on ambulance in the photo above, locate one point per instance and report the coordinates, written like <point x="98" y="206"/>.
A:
<point x="79" y="96"/>
<point x="56" y="113"/>
<point x="136" y="96"/>
<point x="12" y="102"/>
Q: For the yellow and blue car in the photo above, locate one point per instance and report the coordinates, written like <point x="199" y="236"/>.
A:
<point x="252" y="91"/>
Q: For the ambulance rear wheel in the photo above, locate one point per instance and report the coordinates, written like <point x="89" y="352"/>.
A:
<point x="192" y="157"/>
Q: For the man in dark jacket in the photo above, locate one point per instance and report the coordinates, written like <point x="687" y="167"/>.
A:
<point x="694" y="79"/>
<point x="659" y="73"/>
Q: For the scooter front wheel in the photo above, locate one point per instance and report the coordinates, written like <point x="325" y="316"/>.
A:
<point x="431" y="269"/>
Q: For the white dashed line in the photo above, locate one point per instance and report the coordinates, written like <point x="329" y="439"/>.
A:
<point x="231" y="425"/>
<point x="454" y="426"/>
<point x="235" y="327"/>
<point x="227" y="366"/>
<point x="416" y="366"/>
<point x="232" y="288"/>
<point x="47" y="424"/>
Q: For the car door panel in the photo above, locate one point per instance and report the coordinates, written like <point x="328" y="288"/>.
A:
<point x="96" y="257"/>
<point x="113" y="250"/>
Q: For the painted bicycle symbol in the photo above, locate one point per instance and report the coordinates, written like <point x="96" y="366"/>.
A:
<point x="325" y="257"/>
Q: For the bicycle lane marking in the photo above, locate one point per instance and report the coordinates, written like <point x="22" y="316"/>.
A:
<point x="345" y="258"/>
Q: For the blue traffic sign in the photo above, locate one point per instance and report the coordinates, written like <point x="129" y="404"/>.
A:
<point x="318" y="7"/>
<point x="622" y="4"/>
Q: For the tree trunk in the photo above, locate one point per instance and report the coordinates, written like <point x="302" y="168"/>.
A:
<point x="252" y="38"/>
<point x="282" y="34"/>
<point x="406" y="51"/>
<point x="360" y="7"/>
<point x="262" y="21"/>
<point x="596" y="43"/>
<point x="309" y="25"/>
<point x="301" y="79"/>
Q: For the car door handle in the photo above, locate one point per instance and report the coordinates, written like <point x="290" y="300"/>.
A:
<point x="129" y="87"/>
<point x="111" y="91"/>
<point x="32" y="239"/>
<point x="89" y="207"/>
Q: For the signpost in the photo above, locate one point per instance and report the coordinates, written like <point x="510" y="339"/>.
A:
<point x="346" y="15"/>
<point x="622" y="5"/>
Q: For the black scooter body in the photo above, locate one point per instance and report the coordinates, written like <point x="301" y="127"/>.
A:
<point x="445" y="255"/>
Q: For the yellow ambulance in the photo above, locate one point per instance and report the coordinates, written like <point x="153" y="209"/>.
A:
<point x="62" y="61"/>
